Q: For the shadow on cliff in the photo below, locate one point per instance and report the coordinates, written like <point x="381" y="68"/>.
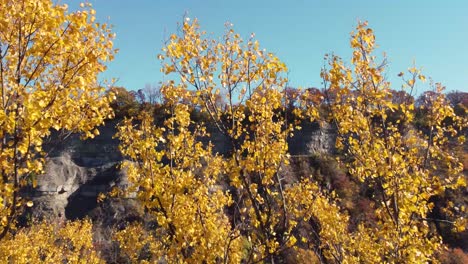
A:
<point x="84" y="199"/>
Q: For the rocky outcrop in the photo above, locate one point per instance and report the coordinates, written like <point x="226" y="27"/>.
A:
<point x="69" y="190"/>
<point x="313" y="138"/>
<point x="322" y="139"/>
<point x="78" y="170"/>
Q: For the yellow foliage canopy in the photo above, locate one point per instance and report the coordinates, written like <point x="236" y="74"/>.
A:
<point x="401" y="163"/>
<point x="49" y="62"/>
<point x="44" y="242"/>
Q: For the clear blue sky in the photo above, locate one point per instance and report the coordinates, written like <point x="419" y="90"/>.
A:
<point x="432" y="33"/>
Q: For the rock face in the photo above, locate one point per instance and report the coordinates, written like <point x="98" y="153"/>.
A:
<point x="62" y="178"/>
<point x="313" y="138"/>
<point x="78" y="170"/>
<point x="322" y="139"/>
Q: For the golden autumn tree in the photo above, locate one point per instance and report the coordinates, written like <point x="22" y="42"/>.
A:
<point x="403" y="166"/>
<point x="251" y="81"/>
<point x="45" y="242"/>
<point x="175" y="177"/>
<point x="265" y="208"/>
<point x="49" y="62"/>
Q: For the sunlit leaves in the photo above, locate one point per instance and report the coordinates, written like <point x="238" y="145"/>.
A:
<point x="251" y="116"/>
<point x="181" y="193"/>
<point x="400" y="163"/>
<point x="49" y="62"/>
<point x="70" y="242"/>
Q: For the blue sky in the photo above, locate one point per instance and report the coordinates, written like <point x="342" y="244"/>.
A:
<point x="432" y="33"/>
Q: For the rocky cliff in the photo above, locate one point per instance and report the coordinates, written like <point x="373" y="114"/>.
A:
<point x="78" y="170"/>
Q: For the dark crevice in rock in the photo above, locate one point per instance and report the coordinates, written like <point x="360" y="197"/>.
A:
<point x="84" y="199"/>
